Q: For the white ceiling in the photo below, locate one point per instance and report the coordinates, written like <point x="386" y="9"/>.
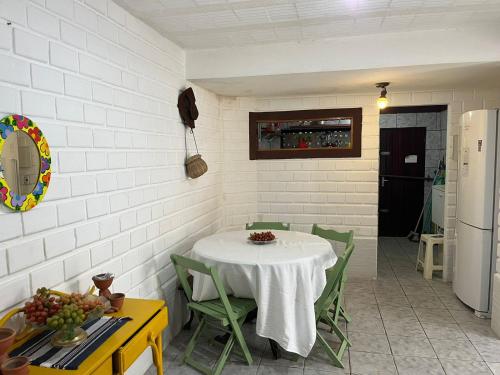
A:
<point x="201" y="24"/>
<point x="413" y="78"/>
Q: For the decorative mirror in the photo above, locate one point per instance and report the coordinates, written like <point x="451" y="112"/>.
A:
<point x="24" y="163"/>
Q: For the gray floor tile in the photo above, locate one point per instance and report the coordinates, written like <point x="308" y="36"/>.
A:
<point x="411" y="346"/>
<point x="457" y="367"/>
<point x="371" y="325"/>
<point x="278" y="370"/>
<point x="370" y="363"/>
<point x="407" y="328"/>
<point x="434" y="316"/>
<point x="489" y="350"/>
<point x="455" y="349"/>
<point x="418" y="366"/>
<point x="494" y="367"/>
<point x="366" y="342"/>
<point x="443" y="331"/>
<point x="479" y="333"/>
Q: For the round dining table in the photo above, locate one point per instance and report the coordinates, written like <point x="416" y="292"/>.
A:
<point x="285" y="278"/>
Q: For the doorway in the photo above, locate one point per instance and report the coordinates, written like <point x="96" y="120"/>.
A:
<point x="412" y="150"/>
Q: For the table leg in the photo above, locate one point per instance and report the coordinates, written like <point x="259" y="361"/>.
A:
<point x="275" y="348"/>
<point x="159" y="345"/>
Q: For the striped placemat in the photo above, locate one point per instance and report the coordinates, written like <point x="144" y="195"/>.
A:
<point x="43" y="354"/>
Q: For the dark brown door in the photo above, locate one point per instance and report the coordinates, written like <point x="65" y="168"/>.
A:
<point x="401" y="180"/>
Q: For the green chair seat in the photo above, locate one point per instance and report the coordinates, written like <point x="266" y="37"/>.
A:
<point x="269" y="225"/>
<point x="215" y="308"/>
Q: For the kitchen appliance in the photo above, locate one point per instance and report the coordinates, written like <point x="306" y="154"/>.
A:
<point x="477" y="183"/>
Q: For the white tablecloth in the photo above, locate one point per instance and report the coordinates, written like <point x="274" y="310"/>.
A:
<point x="285" y="279"/>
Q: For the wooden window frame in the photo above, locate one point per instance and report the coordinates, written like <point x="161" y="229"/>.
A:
<point x="355" y="150"/>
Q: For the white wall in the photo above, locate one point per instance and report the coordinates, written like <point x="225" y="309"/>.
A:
<point x="103" y="88"/>
<point x="342" y="193"/>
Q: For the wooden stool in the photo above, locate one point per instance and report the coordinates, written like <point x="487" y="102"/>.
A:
<point x="425" y="256"/>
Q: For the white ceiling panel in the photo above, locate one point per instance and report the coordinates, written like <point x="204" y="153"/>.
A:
<point x="199" y="24"/>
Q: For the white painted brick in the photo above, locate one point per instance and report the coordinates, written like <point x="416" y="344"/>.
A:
<point x="61" y="7"/>
<point x="72" y="35"/>
<point x="121" y="244"/>
<point x="85" y="17"/>
<point x="56" y="134"/>
<point x="69" y="110"/>
<point x="71" y="212"/>
<point x="138" y="237"/>
<point x="115" y="118"/>
<point x="101" y="253"/>
<point x="94" y="114"/>
<point x="109" y="227"/>
<point x="9" y="100"/>
<point x="97" y="46"/>
<point x="106" y="182"/>
<point x="108" y="29"/>
<point x="97" y="69"/>
<point x="79" y="137"/>
<point x="13" y="291"/>
<point x="30" y="45"/>
<point x="43" y="22"/>
<point x="96" y="161"/>
<point x="3" y="262"/>
<point x="70" y="161"/>
<point x="117" y="55"/>
<point x="98" y="206"/>
<point x="117" y="160"/>
<point x="14" y="11"/>
<point x="41" y="219"/>
<point x="14" y="70"/>
<point x="143" y="215"/>
<point x="99" y="5"/>
<point x="76" y="264"/>
<point x="116" y="13"/>
<point x="35" y="104"/>
<point x="48" y="79"/>
<point x="83" y="185"/>
<point x="118" y="202"/>
<point x="77" y="87"/>
<point x="10" y="226"/>
<point x="129" y="81"/>
<point x="24" y="255"/>
<point x="50" y="275"/>
<point x="5" y="37"/>
<point x="103" y="138"/>
<point x="102" y="93"/>
<point x="59" y="243"/>
<point x="87" y="234"/>
<point x="60" y="188"/>
<point x="63" y="57"/>
<point x="125" y="180"/>
<point x="123" y="140"/>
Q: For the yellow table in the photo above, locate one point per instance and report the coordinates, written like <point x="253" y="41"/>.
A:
<point x="119" y="351"/>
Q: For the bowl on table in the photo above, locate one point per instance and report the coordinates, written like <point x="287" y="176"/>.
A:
<point x="262" y="238"/>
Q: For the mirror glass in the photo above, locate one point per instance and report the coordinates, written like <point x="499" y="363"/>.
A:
<point x="20" y="163"/>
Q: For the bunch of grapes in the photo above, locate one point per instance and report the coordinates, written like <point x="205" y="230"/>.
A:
<point x="42" y="307"/>
<point x="263" y="236"/>
<point x="82" y="302"/>
<point x="69" y="316"/>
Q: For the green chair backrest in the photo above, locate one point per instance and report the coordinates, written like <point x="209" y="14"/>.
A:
<point x="333" y="279"/>
<point x="261" y="225"/>
<point x="333" y="235"/>
<point x="183" y="264"/>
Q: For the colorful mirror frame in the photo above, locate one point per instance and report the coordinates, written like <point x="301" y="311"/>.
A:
<point x="12" y="200"/>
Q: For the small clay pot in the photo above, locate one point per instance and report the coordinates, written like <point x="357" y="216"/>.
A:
<point x="116" y="300"/>
<point x="16" y="366"/>
<point x="103" y="285"/>
<point x="7" y="338"/>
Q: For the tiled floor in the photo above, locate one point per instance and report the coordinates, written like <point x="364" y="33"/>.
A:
<point x="401" y="324"/>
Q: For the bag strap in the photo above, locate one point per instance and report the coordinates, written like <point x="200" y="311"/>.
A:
<point x="185" y="141"/>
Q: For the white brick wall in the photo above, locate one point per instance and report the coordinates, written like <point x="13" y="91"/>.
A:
<point x="103" y="88"/>
<point x="342" y="193"/>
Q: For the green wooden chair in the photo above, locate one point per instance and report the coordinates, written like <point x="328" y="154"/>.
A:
<point x="262" y="225"/>
<point x="347" y="238"/>
<point x="322" y="309"/>
<point x="226" y="313"/>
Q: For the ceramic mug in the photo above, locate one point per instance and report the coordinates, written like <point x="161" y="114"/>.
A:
<point x="16" y="366"/>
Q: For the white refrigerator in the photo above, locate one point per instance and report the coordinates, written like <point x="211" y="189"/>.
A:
<point x="475" y="208"/>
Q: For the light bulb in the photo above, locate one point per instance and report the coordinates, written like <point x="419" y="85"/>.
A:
<point x="382" y="102"/>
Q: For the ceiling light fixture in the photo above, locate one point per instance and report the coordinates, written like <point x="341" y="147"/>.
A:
<point x="382" y="101"/>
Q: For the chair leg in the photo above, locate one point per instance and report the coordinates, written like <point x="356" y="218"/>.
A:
<point x="344" y="314"/>
<point x="335" y="357"/>
<point x="338" y="332"/>
<point x="236" y="325"/>
<point x="193" y="340"/>
<point x="419" y="254"/>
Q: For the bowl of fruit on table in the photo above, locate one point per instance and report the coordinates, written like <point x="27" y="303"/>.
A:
<point x="262" y="238"/>
<point x="63" y="313"/>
